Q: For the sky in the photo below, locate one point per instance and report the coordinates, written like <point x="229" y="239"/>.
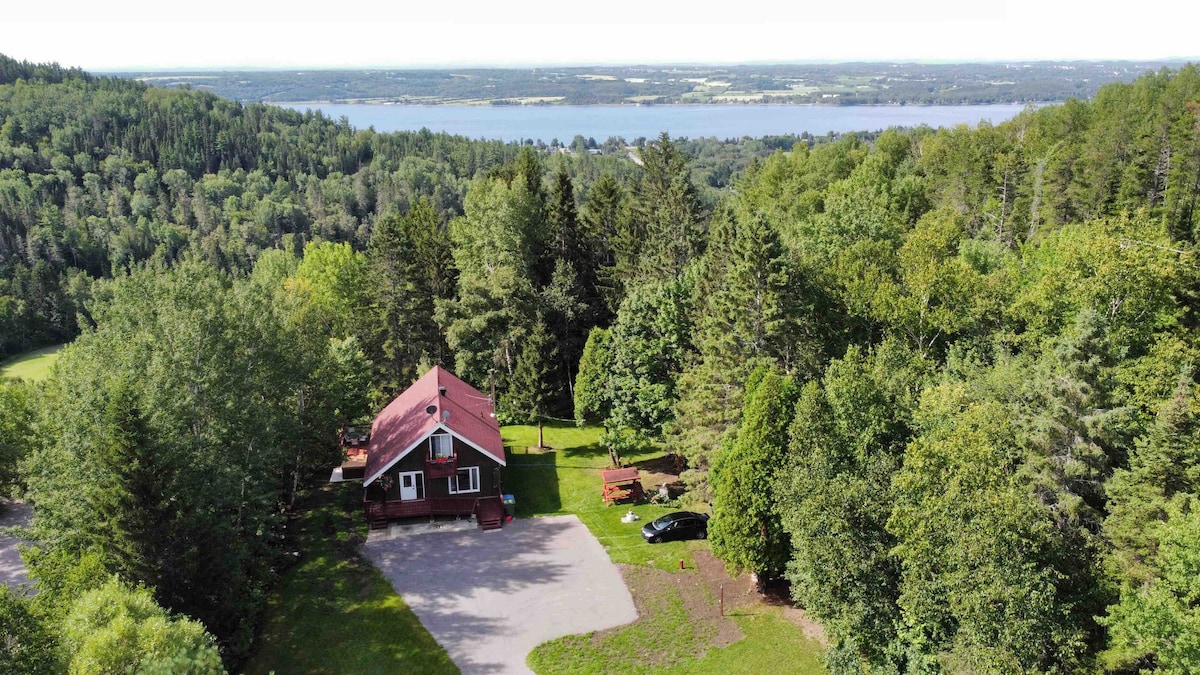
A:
<point x="115" y="35"/>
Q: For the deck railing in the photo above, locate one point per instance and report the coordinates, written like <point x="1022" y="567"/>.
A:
<point x="442" y="468"/>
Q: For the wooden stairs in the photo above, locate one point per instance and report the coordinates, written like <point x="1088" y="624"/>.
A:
<point x="490" y="514"/>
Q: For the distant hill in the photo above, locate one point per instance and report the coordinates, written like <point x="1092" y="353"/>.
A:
<point x="829" y="84"/>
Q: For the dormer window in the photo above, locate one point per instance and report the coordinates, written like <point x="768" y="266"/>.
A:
<point x="441" y="447"/>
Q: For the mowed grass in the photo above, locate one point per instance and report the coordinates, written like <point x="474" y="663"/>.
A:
<point x="772" y="644"/>
<point x="566" y="480"/>
<point x="33" y="366"/>
<point x="334" y="612"/>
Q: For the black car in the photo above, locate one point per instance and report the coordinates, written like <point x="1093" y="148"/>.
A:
<point x="676" y="526"/>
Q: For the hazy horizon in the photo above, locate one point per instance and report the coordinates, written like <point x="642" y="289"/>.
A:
<point x="307" y="34"/>
<point x="617" y="64"/>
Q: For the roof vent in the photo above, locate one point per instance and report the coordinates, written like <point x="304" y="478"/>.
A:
<point x="442" y="391"/>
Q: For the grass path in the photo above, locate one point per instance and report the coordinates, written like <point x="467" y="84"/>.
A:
<point x="33" y="366"/>
<point x="334" y="612"/>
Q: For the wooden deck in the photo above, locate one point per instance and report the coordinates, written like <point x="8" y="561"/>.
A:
<point x="489" y="510"/>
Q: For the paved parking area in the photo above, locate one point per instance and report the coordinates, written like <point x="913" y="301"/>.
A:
<point x="12" y="570"/>
<point x="490" y="597"/>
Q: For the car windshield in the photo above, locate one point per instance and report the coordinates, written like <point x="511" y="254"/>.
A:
<point x="666" y="520"/>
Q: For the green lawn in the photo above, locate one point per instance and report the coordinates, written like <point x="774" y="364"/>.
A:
<point x="771" y="644"/>
<point x="33" y="366"/>
<point x="566" y="480"/>
<point x="334" y="612"/>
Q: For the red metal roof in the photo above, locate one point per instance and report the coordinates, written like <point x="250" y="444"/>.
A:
<point x="405" y="421"/>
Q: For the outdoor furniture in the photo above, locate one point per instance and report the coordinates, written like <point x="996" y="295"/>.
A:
<point x="621" y="484"/>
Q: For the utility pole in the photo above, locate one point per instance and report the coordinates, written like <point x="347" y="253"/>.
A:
<point x="492" y="384"/>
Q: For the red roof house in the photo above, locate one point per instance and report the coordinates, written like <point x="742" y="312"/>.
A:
<point x="435" y="449"/>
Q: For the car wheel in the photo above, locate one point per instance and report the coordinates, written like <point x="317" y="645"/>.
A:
<point x="655" y="540"/>
<point x="703" y="534"/>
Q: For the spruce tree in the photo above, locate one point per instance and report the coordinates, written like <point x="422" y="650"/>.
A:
<point x="605" y="218"/>
<point x="411" y="268"/>
<point x="746" y="531"/>
<point x="532" y="388"/>
<point x="668" y="213"/>
<point x="750" y="312"/>
<point x="132" y="496"/>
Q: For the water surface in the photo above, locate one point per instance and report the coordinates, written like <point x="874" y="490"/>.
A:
<point x="564" y="122"/>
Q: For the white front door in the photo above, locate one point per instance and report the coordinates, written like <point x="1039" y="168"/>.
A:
<point x="412" y="485"/>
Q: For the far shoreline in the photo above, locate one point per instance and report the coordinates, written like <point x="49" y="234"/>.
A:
<point x="1036" y="104"/>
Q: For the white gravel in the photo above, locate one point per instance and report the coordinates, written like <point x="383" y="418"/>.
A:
<point x="12" y="570"/>
<point x="490" y="597"/>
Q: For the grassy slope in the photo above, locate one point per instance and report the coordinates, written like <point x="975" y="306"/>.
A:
<point x="33" y="366"/>
<point x="567" y="480"/>
<point x="334" y="612"/>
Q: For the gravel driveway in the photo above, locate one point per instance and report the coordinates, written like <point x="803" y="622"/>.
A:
<point x="12" y="570"/>
<point x="489" y="598"/>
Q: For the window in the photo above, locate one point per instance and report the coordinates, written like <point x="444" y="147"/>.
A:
<point x="466" y="480"/>
<point x="441" y="446"/>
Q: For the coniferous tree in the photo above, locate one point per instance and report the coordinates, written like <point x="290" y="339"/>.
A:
<point x="132" y="498"/>
<point x="592" y="396"/>
<point x="668" y="216"/>
<point x="1164" y="465"/>
<point x="750" y="312"/>
<point x="411" y="269"/>
<point x="532" y="388"/>
<point x="607" y="221"/>
<point x="745" y="529"/>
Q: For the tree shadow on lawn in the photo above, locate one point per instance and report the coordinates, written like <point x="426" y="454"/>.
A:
<point x="533" y="480"/>
<point x="333" y="612"/>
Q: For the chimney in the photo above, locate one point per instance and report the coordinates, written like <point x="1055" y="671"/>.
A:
<point x="442" y="391"/>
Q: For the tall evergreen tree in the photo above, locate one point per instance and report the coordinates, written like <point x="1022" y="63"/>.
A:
<point x="745" y="529"/>
<point x="133" y="492"/>
<point x="668" y="215"/>
<point x="411" y="269"/>
<point x="532" y="389"/>
<point x="750" y="312"/>
<point x="606" y="219"/>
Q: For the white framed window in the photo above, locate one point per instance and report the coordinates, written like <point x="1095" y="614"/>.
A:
<point x="466" y="480"/>
<point x="441" y="446"/>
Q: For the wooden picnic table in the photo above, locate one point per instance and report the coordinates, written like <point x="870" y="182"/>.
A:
<point x="621" y="484"/>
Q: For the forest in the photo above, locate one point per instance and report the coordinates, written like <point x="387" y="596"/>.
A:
<point x="941" y="382"/>
<point x="804" y="83"/>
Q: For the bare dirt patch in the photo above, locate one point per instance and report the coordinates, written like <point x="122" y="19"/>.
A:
<point x="742" y="592"/>
<point x="738" y="592"/>
<point x="659" y="471"/>
<point x="811" y="629"/>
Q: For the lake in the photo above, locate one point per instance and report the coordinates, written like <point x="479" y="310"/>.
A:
<point x="512" y="123"/>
